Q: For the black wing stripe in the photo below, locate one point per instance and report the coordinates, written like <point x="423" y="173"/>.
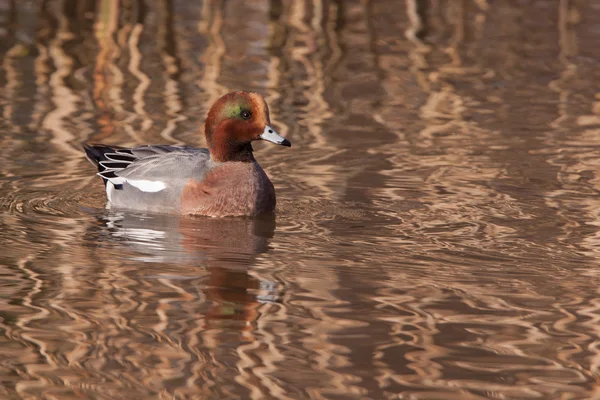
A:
<point x="125" y="157"/>
<point x="115" y="165"/>
<point x="108" y="174"/>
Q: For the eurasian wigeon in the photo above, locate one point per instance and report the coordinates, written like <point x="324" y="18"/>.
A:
<point x="223" y="180"/>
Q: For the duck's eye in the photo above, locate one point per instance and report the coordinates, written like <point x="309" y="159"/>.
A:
<point x="246" y="114"/>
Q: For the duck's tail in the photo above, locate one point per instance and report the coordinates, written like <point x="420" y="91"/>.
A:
<point x="96" y="154"/>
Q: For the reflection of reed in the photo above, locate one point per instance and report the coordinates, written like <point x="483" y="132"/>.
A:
<point x="302" y="44"/>
<point x="172" y="68"/>
<point x="210" y="25"/>
<point x="568" y="48"/>
<point x="134" y="67"/>
<point x="304" y="56"/>
<point x="63" y="98"/>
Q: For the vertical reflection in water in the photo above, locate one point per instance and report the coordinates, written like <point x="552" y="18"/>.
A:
<point x="442" y="123"/>
<point x="302" y="57"/>
<point x="526" y="121"/>
<point x="442" y="110"/>
<point x="333" y="347"/>
<point x="278" y="35"/>
<point x="271" y="314"/>
<point x="17" y="70"/>
<point x="127" y="21"/>
<point x="567" y="42"/>
<point x="47" y="28"/>
<point x="9" y="79"/>
<point x="414" y="338"/>
<point x="105" y="26"/>
<point x="456" y="14"/>
<point x="172" y="68"/>
<point x="210" y="25"/>
<point x="114" y="39"/>
<point x="417" y="30"/>
<point x="333" y="24"/>
<point x="65" y="101"/>
<point x="134" y="67"/>
<point x="308" y="51"/>
<point x="18" y="64"/>
<point x="9" y="18"/>
<point x="44" y="361"/>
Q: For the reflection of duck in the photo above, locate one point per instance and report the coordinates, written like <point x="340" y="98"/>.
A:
<point x="225" y="248"/>
<point x="172" y="238"/>
<point x="223" y="180"/>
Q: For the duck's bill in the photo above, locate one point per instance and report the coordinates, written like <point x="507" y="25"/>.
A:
<point x="270" y="135"/>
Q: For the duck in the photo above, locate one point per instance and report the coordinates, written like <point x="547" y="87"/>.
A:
<point x="223" y="180"/>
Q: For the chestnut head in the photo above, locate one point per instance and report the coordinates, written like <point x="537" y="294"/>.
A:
<point x="237" y="119"/>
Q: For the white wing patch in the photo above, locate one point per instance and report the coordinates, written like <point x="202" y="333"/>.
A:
<point x="109" y="190"/>
<point x="147" y="186"/>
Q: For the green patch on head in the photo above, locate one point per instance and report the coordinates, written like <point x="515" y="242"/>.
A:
<point x="234" y="109"/>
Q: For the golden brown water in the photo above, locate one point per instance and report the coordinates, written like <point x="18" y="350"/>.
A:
<point x="437" y="234"/>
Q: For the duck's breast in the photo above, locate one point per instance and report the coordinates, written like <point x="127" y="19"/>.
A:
<point x="230" y="189"/>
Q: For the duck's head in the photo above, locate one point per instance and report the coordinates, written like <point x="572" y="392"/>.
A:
<point x="234" y="121"/>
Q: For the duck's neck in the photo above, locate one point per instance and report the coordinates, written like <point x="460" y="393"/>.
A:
<point x="231" y="151"/>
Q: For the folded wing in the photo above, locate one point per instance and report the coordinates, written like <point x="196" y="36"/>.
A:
<point x="148" y="167"/>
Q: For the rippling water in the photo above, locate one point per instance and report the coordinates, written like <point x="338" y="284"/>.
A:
<point x="437" y="233"/>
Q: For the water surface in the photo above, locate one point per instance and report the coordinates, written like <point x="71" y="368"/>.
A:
<point x="438" y="214"/>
